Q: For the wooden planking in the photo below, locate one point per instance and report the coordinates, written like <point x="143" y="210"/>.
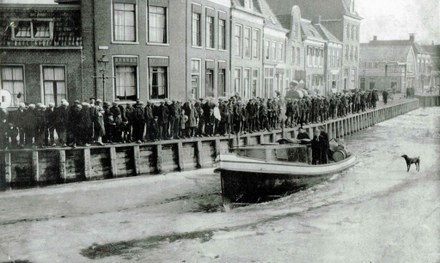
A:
<point x="252" y="140"/>
<point x="48" y="167"/>
<point x="169" y="158"/>
<point x="208" y="153"/>
<point x="21" y="167"/>
<point x="147" y="160"/>
<point x="100" y="164"/>
<point x="125" y="161"/>
<point x="189" y="155"/>
<point x="74" y="166"/>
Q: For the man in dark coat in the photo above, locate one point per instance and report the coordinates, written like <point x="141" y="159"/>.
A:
<point x="138" y="117"/>
<point x="163" y="114"/>
<point x="316" y="147"/>
<point x="62" y="122"/>
<point x="51" y="118"/>
<point x="149" y="117"/>
<point x="325" y="145"/>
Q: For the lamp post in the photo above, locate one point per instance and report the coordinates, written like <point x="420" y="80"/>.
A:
<point x="103" y="61"/>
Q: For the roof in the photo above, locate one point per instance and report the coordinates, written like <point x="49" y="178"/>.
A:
<point x="66" y="25"/>
<point x="400" y="42"/>
<point x="311" y="9"/>
<point x="309" y="31"/>
<point x="326" y="34"/>
<point x="389" y="53"/>
<point x="255" y="5"/>
<point x="270" y="17"/>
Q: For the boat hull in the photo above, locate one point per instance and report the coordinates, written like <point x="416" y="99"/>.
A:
<point x="246" y="180"/>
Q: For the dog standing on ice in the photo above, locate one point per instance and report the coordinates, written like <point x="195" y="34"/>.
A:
<point x="410" y="161"/>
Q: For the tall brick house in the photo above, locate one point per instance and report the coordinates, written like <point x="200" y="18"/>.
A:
<point x="207" y="48"/>
<point x="41" y="53"/>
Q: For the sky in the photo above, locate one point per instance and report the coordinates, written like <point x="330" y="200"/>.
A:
<point x="387" y="19"/>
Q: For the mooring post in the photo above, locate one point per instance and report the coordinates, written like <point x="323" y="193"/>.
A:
<point x="159" y="158"/>
<point x="137" y="159"/>
<point x="8" y="168"/>
<point x="87" y="163"/>
<point x="62" y="165"/>
<point x="180" y="158"/>
<point x="35" y="166"/>
<point x="113" y="162"/>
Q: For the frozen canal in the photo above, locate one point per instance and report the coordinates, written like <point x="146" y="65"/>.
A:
<point x="375" y="212"/>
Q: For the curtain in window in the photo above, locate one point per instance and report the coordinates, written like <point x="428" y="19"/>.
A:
<point x="157" y="24"/>
<point x="54" y="85"/>
<point x="124" y="22"/>
<point x="126" y="88"/>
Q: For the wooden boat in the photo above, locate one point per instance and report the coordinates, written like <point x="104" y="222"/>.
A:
<point x="262" y="173"/>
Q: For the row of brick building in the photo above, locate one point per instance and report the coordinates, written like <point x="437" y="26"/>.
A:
<point x="186" y="49"/>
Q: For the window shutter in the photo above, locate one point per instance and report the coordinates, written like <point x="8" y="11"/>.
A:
<point x="125" y="61"/>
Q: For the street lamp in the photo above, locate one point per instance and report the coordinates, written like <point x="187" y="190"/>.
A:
<point x="103" y="61"/>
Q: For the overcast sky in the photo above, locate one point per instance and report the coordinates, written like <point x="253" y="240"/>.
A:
<point x="388" y="19"/>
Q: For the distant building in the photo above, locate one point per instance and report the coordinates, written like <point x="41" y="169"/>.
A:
<point x="247" y="23"/>
<point x="434" y="52"/>
<point x="41" y="53"/>
<point x="423" y="62"/>
<point x="341" y="19"/>
<point x="387" y="67"/>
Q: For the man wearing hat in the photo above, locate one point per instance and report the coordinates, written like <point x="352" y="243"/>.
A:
<point x="40" y="120"/>
<point x="62" y="122"/>
<point x="49" y="135"/>
<point x="138" y="121"/>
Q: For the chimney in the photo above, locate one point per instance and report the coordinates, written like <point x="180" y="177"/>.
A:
<point x="412" y="37"/>
<point x="374" y="38"/>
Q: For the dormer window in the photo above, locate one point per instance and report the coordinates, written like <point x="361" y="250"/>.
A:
<point x="28" y="29"/>
<point x="248" y="4"/>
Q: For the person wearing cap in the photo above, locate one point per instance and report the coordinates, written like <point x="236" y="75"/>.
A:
<point x="75" y="118"/>
<point x="163" y="114"/>
<point x="40" y="120"/>
<point x="138" y="121"/>
<point x="86" y="125"/>
<point x="16" y="118"/>
<point x="128" y="125"/>
<point x="49" y="134"/>
<point x="62" y="122"/>
<point x="29" y="125"/>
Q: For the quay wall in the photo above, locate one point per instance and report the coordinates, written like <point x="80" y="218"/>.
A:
<point x="429" y="101"/>
<point x="46" y="166"/>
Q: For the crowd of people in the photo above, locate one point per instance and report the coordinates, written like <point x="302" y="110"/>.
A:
<point x="97" y="122"/>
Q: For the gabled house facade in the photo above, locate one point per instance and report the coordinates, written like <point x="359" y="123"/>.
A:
<point x="247" y="23"/>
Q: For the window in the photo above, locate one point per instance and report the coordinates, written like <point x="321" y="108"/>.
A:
<point x="247" y="42"/>
<point x="195" y="79"/>
<point x="356" y="53"/>
<point x="32" y="29"/>
<point x="246" y="83"/>
<point x="158" y="82"/>
<point x="237" y="40"/>
<point x="266" y="49"/>
<point x="210" y="32"/>
<point x="221" y="82"/>
<point x="12" y="80"/>
<point x="124" y="22"/>
<point x="54" y="85"/>
<point x="280" y="52"/>
<point x="268" y="82"/>
<point x="157" y="24"/>
<point x="196" y="29"/>
<point x="293" y="55"/>
<point x="348" y="31"/>
<point x="237" y="81"/>
<point x="222" y="34"/>
<point x="209" y="83"/>
<point x="347" y="51"/>
<point x="255" y="78"/>
<point x="298" y="56"/>
<point x="125" y="82"/>
<point x="273" y="51"/>
<point x="256" y="43"/>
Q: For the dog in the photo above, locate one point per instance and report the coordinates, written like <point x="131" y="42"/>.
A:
<point x="410" y="161"/>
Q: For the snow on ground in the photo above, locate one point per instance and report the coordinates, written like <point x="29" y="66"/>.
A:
<point x="374" y="212"/>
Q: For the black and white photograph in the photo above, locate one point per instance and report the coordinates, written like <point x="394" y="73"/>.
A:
<point x="224" y="131"/>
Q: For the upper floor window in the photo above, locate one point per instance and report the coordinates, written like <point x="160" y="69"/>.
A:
<point x="237" y="40"/>
<point x="255" y="43"/>
<point x="266" y="49"/>
<point x="32" y="29"/>
<point x="222" y="34"/>
<point x="196" y="27"/>
<point x="298" y="56"/>
<point x="348" y="31"/>
<point x="124" y="22"/>
<point x="293" y="55"/>
<point x="157" y="24"/>
<point x="247" y="42"/>
<point x="210" y="32"/>
<point x="280" y="52"/>
<point x="248" y="4"/>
